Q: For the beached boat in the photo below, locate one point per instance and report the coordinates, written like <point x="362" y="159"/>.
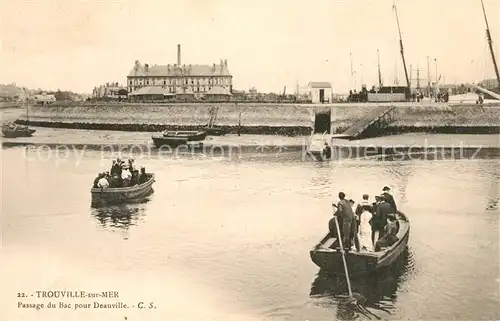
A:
<point x="12" y="130"/>
<point x="160" y="140"/>
<point x="122" y="194"/>
<point x="192" y="136"/>
<point x="327" y="255"/>
<point x="214" y="131"/>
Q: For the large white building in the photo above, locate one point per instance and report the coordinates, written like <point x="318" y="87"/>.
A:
<point x="181" y="79"/>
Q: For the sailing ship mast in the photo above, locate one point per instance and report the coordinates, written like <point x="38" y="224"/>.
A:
<point x="490" y="43"/>
<point x="401" y="45"/>
<point x="27" y="107"/>
<point x="352" y="71"/>
<point x="428" y="77"/>
<point x="379" y="74"/>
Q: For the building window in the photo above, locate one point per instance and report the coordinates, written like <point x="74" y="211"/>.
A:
<point x="131" y="82"/>
<point x="164" y="82"/>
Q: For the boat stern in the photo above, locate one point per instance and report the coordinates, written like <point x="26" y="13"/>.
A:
<point x="331" y="260"/>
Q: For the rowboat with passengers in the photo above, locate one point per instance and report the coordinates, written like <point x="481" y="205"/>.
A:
<point x="328" y="256"/>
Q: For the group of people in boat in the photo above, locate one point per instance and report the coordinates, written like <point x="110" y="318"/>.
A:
<point x="370" y="226"/>
<point x="121" y="174"/>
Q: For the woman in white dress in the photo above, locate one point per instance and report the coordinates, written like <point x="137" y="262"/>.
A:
<point x="365" y="228"/>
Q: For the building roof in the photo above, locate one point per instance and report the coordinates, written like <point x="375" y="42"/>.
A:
<point x="184" y="70"/>
<point x="320" y="84"/>
<point x="151" y="90"/>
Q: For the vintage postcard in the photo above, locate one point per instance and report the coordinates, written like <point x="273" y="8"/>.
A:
<point x="249" y="160"/>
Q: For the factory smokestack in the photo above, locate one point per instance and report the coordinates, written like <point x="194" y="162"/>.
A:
<point x="178" y="55"/>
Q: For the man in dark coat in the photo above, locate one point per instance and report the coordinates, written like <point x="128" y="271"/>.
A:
<point x="390" y="236"/>
<point x="349" y="226"/>
<point x="389" y="199"/>
<point x="379" y="219"/>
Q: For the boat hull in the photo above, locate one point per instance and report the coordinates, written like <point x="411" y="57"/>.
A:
<point x="160" y="141"/>
<point x="122" y="195"/>
<point x="18" y="133"/>
<point x="329" y="258"/>
<point x="191" y="136"/>
<point x="214" y="131"/>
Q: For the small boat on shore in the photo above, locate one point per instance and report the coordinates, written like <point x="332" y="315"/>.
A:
<point x="12" y="130"/>
<point x="122" y="194"/>
<point x="160" y="140"/>
<point x="214" y="131"/>
<point x="190" y="135"/>
<point x="328" y="256"/>
<point x="178" y="138"/>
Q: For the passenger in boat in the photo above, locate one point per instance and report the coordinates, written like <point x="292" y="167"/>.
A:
<point x="390" y="236"/>
<point x="349" y="226"/>
<point x="115" y="181"/>
<point x="365" y="229"/>
<point x="143" y="177"/>
<point x="116" y="168"/>
<point x="126" y="176"/>
<point x="96" y="180"/>
<point x="389" y="198"/>
<point x="378" y="221"/>
<point x="364" y="205"/>
<point x="103" y="182"/>
<point x="131" y="164"/>
<point x="135" y="178"/>
<point x="354" y="206"/>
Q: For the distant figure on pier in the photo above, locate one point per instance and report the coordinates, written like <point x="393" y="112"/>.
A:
<point x="480" y="99"/>
<point x="327" y="151"/>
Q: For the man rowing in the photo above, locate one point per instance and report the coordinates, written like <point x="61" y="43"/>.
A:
<point x="349" y="226"/>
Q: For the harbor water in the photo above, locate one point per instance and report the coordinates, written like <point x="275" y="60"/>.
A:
<point x="229" y="239"/>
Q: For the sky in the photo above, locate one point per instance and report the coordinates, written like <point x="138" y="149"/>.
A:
<point x="77" y="45"/>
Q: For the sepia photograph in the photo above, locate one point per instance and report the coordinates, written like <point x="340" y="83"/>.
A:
<point x="226" y="160"/>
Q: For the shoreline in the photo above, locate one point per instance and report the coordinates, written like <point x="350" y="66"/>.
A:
<point x="113" y="140"/>
<point x="268" y="119"/>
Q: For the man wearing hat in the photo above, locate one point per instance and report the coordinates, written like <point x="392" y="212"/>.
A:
<point x="388" y="198"/>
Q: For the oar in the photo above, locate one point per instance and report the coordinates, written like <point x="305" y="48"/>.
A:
<point x="343" y="256"/>
<point x="354" y="299"/>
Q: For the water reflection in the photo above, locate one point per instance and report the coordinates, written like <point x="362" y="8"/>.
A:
<point x="120" y="216"/>
<point x="378" y="288"/>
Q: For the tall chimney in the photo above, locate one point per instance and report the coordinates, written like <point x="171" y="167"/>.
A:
<point x="178" y="55"/>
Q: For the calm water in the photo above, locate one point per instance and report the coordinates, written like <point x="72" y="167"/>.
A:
<point x="229" y="239"/>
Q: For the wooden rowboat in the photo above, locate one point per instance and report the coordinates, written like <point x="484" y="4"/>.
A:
<point x="122" y="194"/>
<point x="192" y="136"/>
<point x="14" y="131"/>
<point x="326" y="254"/>
<point x="160" y="141"/>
